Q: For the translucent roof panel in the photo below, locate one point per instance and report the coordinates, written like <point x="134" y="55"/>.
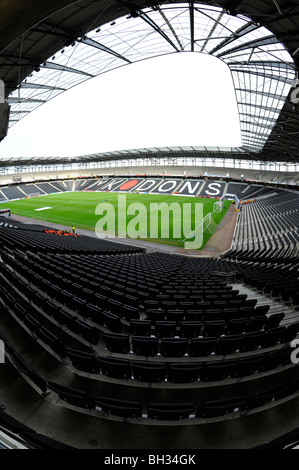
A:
<point x="261" y="67"/>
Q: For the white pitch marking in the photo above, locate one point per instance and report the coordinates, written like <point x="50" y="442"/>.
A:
<point x="43" y="209"/>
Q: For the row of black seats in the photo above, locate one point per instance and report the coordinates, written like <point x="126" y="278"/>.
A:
<point x="280" y="281"/>
<point x="89" y="363"/>
<point x="133" y="409"/>
<point x="22" y="365"/>
<point x="198" y="301"/>
<point x="25" y="240"/>
<point x="178" y="372"/>
<point x="204" y="313"/>
<point x="173" y="411"/>
<point x="88" y="311"/>
<point x="150" y="346"/>
<point x="126" y="305"/>
<point x="76" y="325"/>
<point x="67" y="291"/>
<point x="116" y="287"/>
<point x="171" y="346"/>
<point x="27" y="435"/>
<point x="166" y="270"/>
<point x="205" y="327"/>
<point x="98" y="277"/>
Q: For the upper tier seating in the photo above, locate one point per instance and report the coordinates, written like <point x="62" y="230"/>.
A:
<point x="268" y="229"/>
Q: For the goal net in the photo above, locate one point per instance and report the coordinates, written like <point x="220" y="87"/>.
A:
<point x="209" y="226"/>
<point x="217" y="208"/>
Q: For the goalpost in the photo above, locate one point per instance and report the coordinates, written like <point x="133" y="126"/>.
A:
<point x="207" y="226"/>
<point x="230" y="197"/>
<point x="217" y="208"/>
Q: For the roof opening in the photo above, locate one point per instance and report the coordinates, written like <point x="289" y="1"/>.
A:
<point x="178" y="100"/>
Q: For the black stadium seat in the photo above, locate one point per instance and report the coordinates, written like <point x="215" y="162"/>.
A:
<point x="200" y="347"/>
<point x="72" y="396"/>
<point x="140" y="327"/>
<point x="144" y="345"/>
<point x="117" y="407"/>
<point x="151" y="372"/>
<point x="83" y="361"/>
<point x="185" y="372"/>
<point x="174" y="347"/>
<point x="114" y="367"/>
<point x="212" y="409"/>
<point x="170" y="411"/>
<point x="118" y="343"/>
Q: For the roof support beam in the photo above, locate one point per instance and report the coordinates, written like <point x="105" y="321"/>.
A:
<point x="257" y="124"/>
<point x="170" y="27"/>
<point x="268" y="95"/>
<point x="97" y="45"/>
<point x="191" y="12"/>
<point x="265" y="41"/>
<point x="269" y="64"/>
<point x="248" y="28"/>
<point x="64" y="68"/>
<point x="289" y="81"/>
<point x="20" y="112"/>
<point x="213" y="30"/>
<point x="256" y="116"/>
<point x="40" y="87"/>
<point x="258" y="106"/>
<point x="149" y="21"/>
<point x="15" y="100"/>
<point x="278" y="7"/>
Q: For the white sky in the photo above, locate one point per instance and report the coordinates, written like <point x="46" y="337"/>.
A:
<point x="184" y="99"/>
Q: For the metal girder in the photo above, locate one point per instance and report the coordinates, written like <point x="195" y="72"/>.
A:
<point x="13" y="100"/>
<point x="191" y="12"/>
<point x="267" y="64"/>
<point x="64" y="68"/>
<point x="212" y="30"/>
<point x="248" y="28"/>
<point x="254" y="136"/>
<point x="149" y="21"/>
<point x="266" y="41"/>
<point x="262" y="93"/>
<point x="40" y="87"/>
<point x="19" y="112"/>
<point x="265" y="75"/>
<point x="251" y="123"/>
<point x="256" y="116"/>
<point x="170" y="27"/>
<point x="97" y="45"/>
<point x="259" y="106"/>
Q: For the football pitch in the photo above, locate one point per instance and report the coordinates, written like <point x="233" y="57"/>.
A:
<point x="92" y="210"/>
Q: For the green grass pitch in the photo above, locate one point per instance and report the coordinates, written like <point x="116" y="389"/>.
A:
<point x="79" y="208"/>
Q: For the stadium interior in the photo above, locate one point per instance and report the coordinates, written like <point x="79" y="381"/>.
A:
<point x="122" y="344"/>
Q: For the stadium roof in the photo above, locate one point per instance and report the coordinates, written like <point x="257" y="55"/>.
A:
<point x="47" y="49"/>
